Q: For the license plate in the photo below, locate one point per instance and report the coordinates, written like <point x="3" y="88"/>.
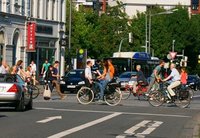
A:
<point x="71" y="86"/>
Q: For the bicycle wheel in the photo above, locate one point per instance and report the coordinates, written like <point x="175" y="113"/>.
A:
<point x="35" y="91"/>
<point x="126" y="93"/>
<point x="156" y="98"/>
<point x="113" y="98"/>
<point x="85" y="95"/>
<point x="184" y="102"/>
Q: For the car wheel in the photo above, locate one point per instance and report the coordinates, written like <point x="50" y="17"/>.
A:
<point x="21" y="105"/>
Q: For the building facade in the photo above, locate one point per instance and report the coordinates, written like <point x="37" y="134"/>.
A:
<point x="31" y="30"/>
<point x="131" y="7"/>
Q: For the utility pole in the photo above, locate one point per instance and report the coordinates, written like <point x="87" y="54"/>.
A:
<point x="104" y="6"/>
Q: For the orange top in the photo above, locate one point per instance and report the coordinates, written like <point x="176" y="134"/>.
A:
<point x="184" y="77"/>
<point x="112" y="71"/>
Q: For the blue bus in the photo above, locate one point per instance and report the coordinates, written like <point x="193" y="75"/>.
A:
<point x="127" y="61"/>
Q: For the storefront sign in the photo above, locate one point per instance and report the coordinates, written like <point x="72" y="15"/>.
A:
<point x="31" y="26"/>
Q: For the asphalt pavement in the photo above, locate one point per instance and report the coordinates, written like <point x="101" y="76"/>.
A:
<point x="192" y="129"/>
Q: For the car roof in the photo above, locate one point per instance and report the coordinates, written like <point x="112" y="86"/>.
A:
<point x="128" y="74"/>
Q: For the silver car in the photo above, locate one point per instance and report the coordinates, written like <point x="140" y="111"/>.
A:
<point x="13" y="92"/>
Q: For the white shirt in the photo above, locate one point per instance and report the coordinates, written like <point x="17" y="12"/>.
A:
<point x="3" y="70"/>
<point x="175" y="75"/>
<point x="88" y="72"/>
<point x="33" y="68"/>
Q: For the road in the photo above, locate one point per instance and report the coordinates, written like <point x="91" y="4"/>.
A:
<point x="66" y="118"/>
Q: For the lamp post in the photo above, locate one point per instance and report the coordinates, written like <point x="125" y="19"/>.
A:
<point x="173" y="45"/>
<point x="70" y="31"/>
<point x="150" y="16"/>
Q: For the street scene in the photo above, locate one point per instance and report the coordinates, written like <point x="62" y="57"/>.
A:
<point x="99" y="69"/>
<point x="131" y="118"/>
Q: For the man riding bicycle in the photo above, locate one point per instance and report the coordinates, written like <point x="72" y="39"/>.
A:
<point x="174" y="78"/>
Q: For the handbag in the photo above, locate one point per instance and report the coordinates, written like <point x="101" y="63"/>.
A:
<point x="47" y="93"/>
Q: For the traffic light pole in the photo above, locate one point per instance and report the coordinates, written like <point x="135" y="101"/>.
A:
<point x="70" y="32"/>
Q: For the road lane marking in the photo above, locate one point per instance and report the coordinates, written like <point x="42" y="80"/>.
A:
<point x="48" y="119"/>
<point x="136" y="127"/>
<point x="78" y="128"/>
<point x="110" y="112"/>
<point x="151" y="126"/>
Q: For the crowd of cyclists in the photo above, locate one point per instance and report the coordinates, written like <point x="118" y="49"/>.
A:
<point x="175" y="78"/>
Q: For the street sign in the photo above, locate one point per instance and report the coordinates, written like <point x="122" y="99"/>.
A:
<point x="172" y="54"/>
<point x="63" y="42"/>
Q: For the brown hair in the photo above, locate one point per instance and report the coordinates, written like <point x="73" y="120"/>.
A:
<point x="19" y="62"/>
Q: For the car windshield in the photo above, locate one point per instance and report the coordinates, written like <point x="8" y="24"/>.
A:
<point x="74" y="73"/>
<point x="127" y="74"/>
<point x="192" y="77"/>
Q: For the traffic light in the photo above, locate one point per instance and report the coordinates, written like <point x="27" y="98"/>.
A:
<point x="81" y="58"/>
<point x="199" y="59"/>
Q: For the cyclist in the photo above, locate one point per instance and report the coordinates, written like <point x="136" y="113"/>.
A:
<point x="106" y="77"/>
<point x="155" y="76"/>
<point x="174" y="78"/>
<point x="88" y="74"/>
<point x="140" y="78"/>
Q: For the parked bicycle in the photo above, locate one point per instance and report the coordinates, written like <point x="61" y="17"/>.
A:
<point x="112" y="94"/>
<point x="182" y="99"/>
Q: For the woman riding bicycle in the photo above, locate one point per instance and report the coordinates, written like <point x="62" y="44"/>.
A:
<point x="106" y="77"/>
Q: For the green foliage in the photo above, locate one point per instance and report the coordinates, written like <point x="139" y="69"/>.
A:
<point x="101" y="34"/>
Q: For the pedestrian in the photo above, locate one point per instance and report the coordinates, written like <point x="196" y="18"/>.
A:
<point x="20" y="70"/>
<point x="155" y="76"/>
<point x="45" y="66"/>
<point x="4" y="68"/>
<point x="184" y="77"/>
<point x="96" y="69"/>
<point x="106" y="77"/>
<point x="33" y="71"/>
<point x="55" y="79"/>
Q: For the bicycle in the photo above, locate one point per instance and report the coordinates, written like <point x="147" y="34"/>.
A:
<point x="182" y="99"/>
<point x="140" y="90"/>
<point x="35" y="90"/>
<point x="112" y="94"/>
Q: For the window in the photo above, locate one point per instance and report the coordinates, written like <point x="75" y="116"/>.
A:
<point x="47" y="9"/>
<point x="16" y="6"/>
<point x="32" y="7"/>
<point x="0" y="6"/>
<point x="195" y="4"/>
<point x="38" y="8"/>
<point x="28" y="8"/>
<point x="23" y="7"/>
<point x="53" y="9"/>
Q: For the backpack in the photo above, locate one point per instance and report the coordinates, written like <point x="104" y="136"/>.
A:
<point x="83" y="74"/>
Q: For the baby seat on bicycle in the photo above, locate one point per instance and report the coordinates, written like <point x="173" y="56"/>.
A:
<point x="142" y="83"/>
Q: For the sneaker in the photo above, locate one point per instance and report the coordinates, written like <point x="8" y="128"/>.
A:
<point x="63" y="97"/>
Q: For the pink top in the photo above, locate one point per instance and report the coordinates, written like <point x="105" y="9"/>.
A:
<point x="184" y="77"/>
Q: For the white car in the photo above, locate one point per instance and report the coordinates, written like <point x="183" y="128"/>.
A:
<point x="14" y="93"/>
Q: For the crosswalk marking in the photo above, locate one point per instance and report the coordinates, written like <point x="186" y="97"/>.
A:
<point x="151" y="126"/>
<point x="78" y="128"/>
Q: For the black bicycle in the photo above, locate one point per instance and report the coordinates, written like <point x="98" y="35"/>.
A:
<point x="182" y="99"/>
<point x="35" y="90"/>
<point x="112" y="94"/>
